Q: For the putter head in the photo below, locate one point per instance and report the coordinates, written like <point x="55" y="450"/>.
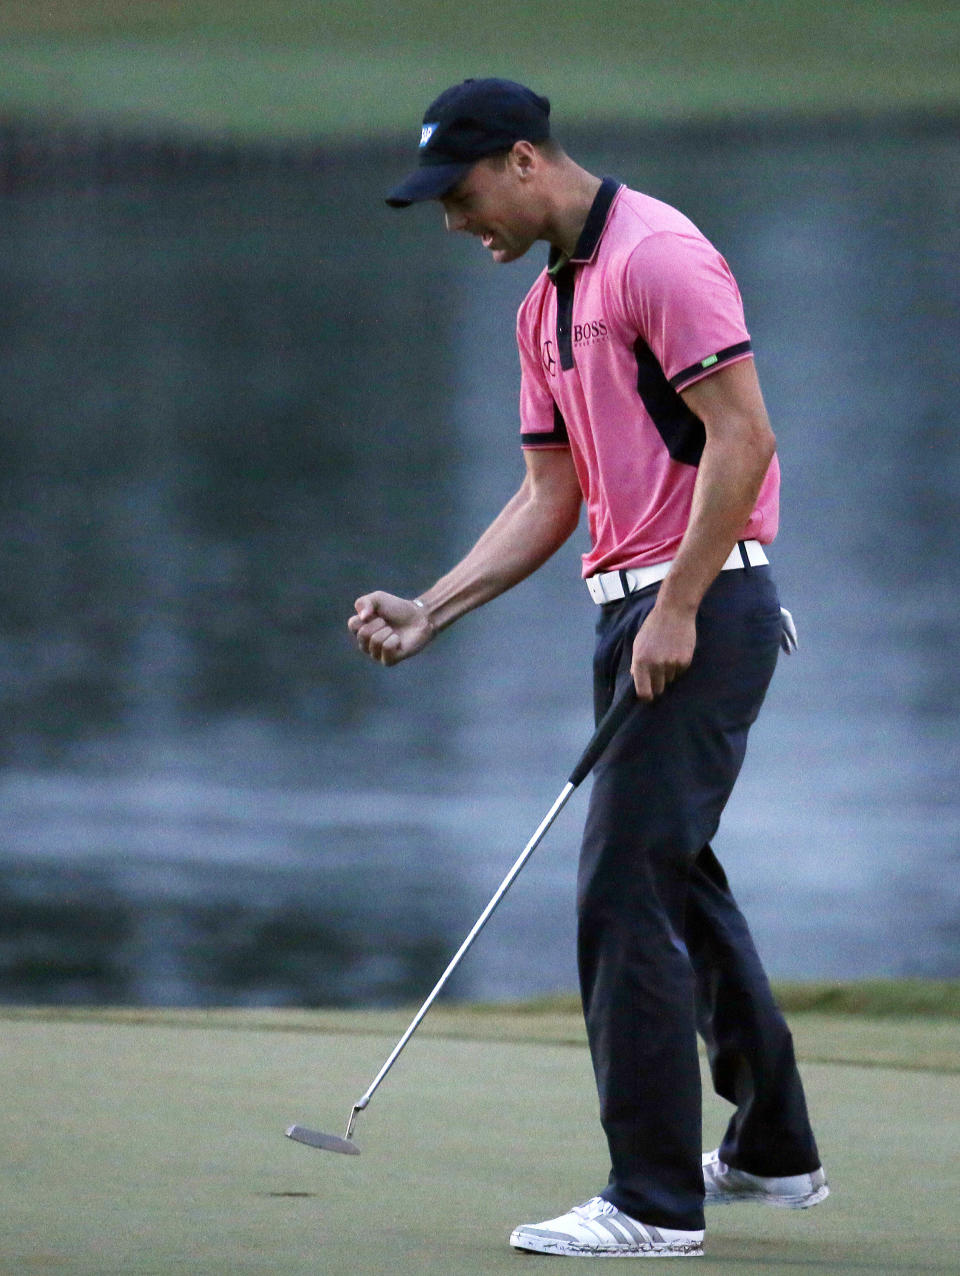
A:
<point x="327" y="1142"/>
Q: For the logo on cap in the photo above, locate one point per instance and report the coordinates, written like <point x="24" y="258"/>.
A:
<point x="426" y="133"/>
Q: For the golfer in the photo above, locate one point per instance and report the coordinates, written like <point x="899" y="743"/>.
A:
<point x="638" y="396"/>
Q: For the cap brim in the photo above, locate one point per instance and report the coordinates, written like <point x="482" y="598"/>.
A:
<point x="431" y="181"/>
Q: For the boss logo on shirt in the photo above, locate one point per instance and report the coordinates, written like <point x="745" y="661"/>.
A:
<point x="589" y="333"/>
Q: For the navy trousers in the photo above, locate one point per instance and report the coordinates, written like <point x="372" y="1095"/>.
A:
<point x="663" y="949"/>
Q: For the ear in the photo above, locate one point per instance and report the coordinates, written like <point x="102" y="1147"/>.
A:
<point x="524" y="159"/>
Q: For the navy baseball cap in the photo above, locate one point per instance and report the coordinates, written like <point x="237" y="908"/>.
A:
<point x="466" y="123"/>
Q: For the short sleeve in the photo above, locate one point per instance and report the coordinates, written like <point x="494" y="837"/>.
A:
<point x="683" y="299"/>
<point x="541" y="421"/>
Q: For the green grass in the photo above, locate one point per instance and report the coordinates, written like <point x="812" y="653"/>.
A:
<point x="147" y="1143"/>
<point x="876" y="998"/>
<point x="337" y="69"/>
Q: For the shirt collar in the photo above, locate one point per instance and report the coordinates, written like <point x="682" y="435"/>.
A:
<point x="592" y="232"/>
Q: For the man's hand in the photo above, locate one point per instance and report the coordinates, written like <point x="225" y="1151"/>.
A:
<point x="388" y="628"/>
<point x="662" y="650"/>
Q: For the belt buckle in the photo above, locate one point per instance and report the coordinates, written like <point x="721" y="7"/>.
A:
<point x="607" y="587"/>
<point x="596" y="589"/>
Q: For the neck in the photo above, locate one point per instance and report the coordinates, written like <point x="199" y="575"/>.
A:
<point x="572" y="195"/>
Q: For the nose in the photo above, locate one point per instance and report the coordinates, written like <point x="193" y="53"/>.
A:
<point x="454" y="220"/>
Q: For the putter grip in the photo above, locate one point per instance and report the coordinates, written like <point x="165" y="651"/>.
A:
<point x="610" y="724"/>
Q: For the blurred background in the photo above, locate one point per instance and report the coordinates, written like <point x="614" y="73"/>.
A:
<point x="236" y="391"/>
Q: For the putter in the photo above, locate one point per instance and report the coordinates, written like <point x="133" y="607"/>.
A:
<point x="611" y="722"/>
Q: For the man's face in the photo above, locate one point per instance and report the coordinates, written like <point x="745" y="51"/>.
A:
<point x="494" y="202"/>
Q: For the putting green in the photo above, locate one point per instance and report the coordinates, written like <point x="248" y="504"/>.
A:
<point x="343" y="68"/>
<point x="151" y="1142"/>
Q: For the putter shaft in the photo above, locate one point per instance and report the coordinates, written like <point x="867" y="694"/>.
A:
<point x="612" y="720"/>
<point x="462" y="951"/>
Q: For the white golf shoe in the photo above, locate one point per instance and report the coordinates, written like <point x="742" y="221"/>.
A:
<point x="727" y="1186"/>
<point x="597" y="1229"/>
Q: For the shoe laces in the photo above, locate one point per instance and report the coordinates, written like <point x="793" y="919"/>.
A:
<point x="596" y="1207"/>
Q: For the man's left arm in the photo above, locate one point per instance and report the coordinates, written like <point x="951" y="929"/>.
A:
<point x="736" y="456"/>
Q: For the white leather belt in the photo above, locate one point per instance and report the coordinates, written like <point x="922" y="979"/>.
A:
<point x="610" y="587"/>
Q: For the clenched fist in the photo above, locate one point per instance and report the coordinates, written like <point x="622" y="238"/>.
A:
<point x="388" y="628"/>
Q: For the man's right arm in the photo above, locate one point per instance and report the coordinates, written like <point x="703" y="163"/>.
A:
<point x="529" y="529"/>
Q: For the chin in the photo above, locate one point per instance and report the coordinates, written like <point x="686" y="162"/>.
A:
<point x="502" y="256"/>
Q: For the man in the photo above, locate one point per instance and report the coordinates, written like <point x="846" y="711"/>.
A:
<point x="639" y="396"/>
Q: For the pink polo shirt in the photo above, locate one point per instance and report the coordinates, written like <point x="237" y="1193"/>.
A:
<point x="644" y="308"/>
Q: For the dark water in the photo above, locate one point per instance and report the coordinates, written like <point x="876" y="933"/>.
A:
<point x="236" y="391"/>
